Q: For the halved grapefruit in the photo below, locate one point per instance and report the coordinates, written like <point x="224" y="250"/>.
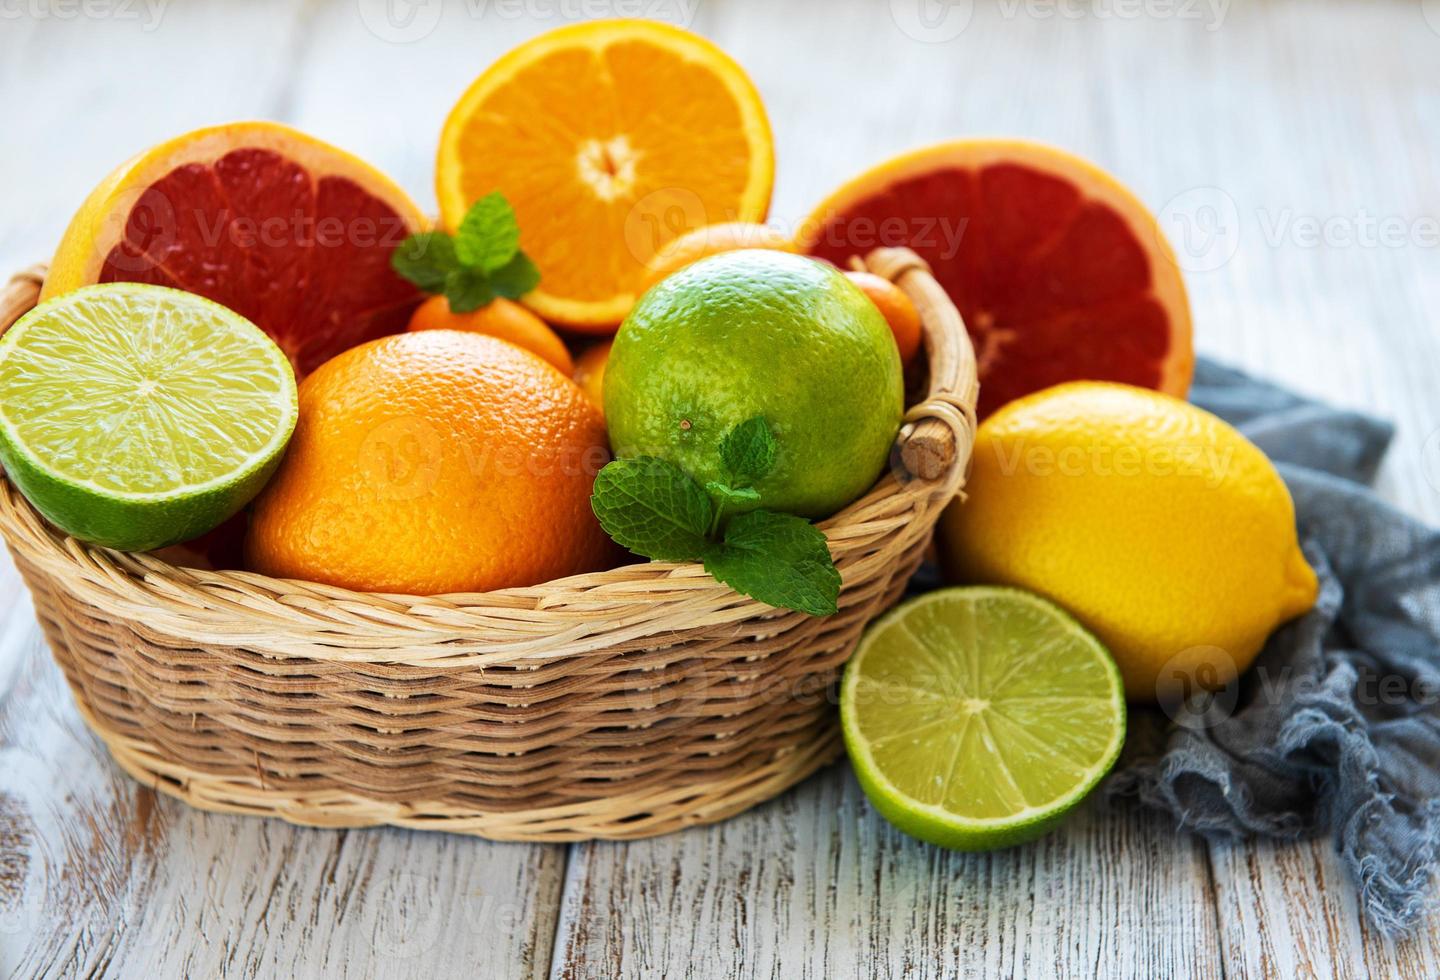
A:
<point x="285" y="230"/>
<point x="1060" y="272"/>
<point x="610" y="138"/>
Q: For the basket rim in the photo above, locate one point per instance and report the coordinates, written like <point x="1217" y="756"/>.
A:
<point x="596" y="609"/>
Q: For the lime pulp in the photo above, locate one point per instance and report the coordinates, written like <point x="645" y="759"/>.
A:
<point x="135" y="416"/>
<point x="977" y="717"/>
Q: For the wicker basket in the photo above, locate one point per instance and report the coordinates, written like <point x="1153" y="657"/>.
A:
<point x="619" y="704"/>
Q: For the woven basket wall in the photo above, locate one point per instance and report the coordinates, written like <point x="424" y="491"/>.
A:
<point x="619" y="704"/>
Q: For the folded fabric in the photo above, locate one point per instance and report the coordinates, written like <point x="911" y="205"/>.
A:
<point x="1336" y="727"/>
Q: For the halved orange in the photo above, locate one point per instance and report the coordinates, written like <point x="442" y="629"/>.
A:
<point x="1060" y="272"/>
<point x="282" y="228"/>
<point x="609" y="138"/>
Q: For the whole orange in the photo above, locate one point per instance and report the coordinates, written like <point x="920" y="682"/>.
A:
<point x="896" y="307"/>
<point x="501" y="318"/>
<point x="590" y="372"/>
<point x="431" y="462"/>
<point x="708" y="240"/>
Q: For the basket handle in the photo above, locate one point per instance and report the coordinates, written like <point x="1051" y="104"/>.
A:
<point x="20" y="295"/>
<point x="939" y="432"/>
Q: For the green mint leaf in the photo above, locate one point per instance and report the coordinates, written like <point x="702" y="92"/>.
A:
<point x="748" y="450"/>
<point x="729" y="500"/>
<point x="728" y="497"/>
<point x="653" y="508"/>
<point x="467" y="290"/>
<point x="515" y="278"/>
<point x="779" y="559"/>
<point x="489" y="236"/>
<point x="425" y="259"/>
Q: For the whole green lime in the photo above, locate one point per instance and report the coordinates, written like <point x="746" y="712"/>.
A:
<point x="759" y="333"/>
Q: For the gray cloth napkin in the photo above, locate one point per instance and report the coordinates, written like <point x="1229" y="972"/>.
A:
<point x="1336" y="727"/>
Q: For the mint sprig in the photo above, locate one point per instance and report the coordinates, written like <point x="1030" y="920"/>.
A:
<point x="728" y="498"/>
<point x="489" y="235"/>
<point x="653" y="508"/>
<point x="656" y="510"/>
<point x="748" y="450"/>
<point x="780" y="559"/>
<point x="425" y="258"/>
<point x="480" y="262"/>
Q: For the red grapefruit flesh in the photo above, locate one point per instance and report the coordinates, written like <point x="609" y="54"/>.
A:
<point x="1060" y="273"/>
<point x="289" y="232"/>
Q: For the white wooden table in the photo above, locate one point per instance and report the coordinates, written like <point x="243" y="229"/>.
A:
<point x="1294" y="132"/>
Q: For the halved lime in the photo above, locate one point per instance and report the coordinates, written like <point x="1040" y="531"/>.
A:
<point x="135" y="416"/>
<point x="976" y="717"/>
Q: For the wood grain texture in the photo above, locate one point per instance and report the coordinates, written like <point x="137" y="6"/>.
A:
<point x="817" y="885"/>
<point x="1299" y="113"/>
<point x="1290" y="910"/>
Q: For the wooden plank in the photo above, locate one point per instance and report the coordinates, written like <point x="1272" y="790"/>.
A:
<point x="98" y="874"/>
<point x="1348" y="320"/>
<point x="1290" y="910"/>
<point x="816" y="885"/>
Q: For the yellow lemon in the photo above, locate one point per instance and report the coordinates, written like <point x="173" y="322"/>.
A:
<point x="1156" y="524"/>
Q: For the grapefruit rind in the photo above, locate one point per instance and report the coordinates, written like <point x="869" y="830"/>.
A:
<point x="1167" y="284"/>
<point x="99" y="224"/>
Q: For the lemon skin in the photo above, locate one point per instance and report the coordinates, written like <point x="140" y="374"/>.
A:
<point x="1156" y="524"/>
